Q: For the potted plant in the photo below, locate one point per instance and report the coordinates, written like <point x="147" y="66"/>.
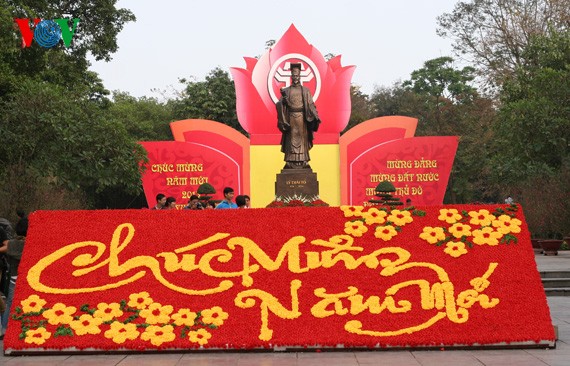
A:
<point x="205" y="191"/>
<point x="551" y="245"/>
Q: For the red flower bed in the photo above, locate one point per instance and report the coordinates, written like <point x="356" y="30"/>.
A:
<point x="261" y="278"/>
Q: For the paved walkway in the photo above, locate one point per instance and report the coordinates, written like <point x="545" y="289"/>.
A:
<point x="559" y="307"/>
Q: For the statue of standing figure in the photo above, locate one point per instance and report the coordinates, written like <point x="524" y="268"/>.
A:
<point x="297" y="119"/>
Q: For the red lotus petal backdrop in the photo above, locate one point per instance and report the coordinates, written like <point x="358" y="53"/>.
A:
<point x="141" y="279"/>
<point x="257" y="88"/>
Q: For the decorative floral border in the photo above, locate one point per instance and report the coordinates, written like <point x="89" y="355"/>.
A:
<point x="357" y="276"/>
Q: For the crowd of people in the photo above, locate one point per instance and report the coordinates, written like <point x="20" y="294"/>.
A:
<point x="195" y="203"/>
<point x="12" y="241"/>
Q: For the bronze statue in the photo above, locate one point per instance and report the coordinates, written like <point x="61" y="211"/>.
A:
<point x="297" y="119"/>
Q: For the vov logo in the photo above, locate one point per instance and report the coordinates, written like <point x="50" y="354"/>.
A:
<point x="47" y="33"/>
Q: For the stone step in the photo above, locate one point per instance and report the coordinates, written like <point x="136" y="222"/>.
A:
<point x="555" y="282"/>
<point x="554" y="274"/>
<point x="560" y="291"/>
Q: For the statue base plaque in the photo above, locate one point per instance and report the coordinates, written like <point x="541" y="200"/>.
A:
<point x="297" y="182"/>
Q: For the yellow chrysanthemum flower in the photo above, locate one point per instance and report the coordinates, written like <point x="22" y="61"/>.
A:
<point x="458" y="230"/>
<point x="355" y="228"/>
<point x="487" y="236"/>
<point x="374" y="216"/>
<point x="184" y="317"/>
<point x="506" y="224"/>
<point x="32" y="304"/>
<point x="385" y="232"/>
<point x="214" y="316"/>
<point x="158" y="335"/>
<point x="157" y="314"/>
<point x="432" y="234"/>
<point x="108" y="311"/>
<point x="352" y="211"/>
<point x="120" y="332"/>
<point x="86" y="324"/>
<point x="455" y="249"/>
<point x="199" y="336"/>
<point x="139" y="300"/>
<point x="400" y="218"/>
<point x="451" y="216"/>
<point x="60" y="314"/>
<point x="481" y="217"/>
<point x="37" y="336"/>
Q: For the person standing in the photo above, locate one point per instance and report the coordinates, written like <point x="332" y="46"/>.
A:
<point x="297" y="119"/>
<point x="160" y="202"/>
<point x="227" y="201"/>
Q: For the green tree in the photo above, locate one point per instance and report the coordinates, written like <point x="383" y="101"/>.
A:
<point x="145" y="118"/>
<point x="213" y="99"/>
<point x="360" y="107"/>
<point x="492" y="34"/>
<point x="533" y="132"/>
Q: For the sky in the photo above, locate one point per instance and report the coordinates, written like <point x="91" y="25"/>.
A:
<point x="172" y="39"/>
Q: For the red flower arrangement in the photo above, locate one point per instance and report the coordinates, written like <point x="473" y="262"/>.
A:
<point x="356" y="276"/>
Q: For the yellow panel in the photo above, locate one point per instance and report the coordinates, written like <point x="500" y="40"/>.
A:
<point x="266" y="161"/>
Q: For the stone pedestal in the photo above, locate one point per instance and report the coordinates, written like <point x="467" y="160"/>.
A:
<point x="300" y="182"/>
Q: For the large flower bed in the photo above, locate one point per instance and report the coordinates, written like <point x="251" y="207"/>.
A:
<point x="262" y="278"/>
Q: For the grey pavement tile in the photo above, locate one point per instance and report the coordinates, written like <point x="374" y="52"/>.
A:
<point x="507" y="359"/>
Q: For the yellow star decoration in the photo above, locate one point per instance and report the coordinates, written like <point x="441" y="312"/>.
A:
<point x="432" y="234"/>
<point x="120" y="332"/>
<point x="458" y="230"/>
<point x="86" y="324"/>
<point x="60" y="314"/>
<point x="385" y="232"/>
<point x="487" y="236"/>
<point x="451" y="216"/>
<point x="157" y="314"/>
<point x="455" y="249"/>
<point x="481" y="217"/>
<point x="400" y="218"/>
<point x="355" y="228"/>
<point x="215" y="316"/>
<point x="139" y="300"/>
<point x="184" y="317"/>
<point x="108" y="311"/>
<point x="158" y="335"/>
<point x="352" y="211"/>
<point x="32" y="304"/>
<point x="374" y="216"/>
<point x="37" y="336"/>
<point x="199" y="336"/>
<point x="505" y="225"/>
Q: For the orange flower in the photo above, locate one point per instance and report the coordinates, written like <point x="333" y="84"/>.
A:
<point x="157" y="314"/>
<point x="86" y="324"/>
<point x="506" y="224"/>
<point x="37" y="336"/>
<point x="400" y="218"/>
<point x="108" y="311"/>
<point x="458" y="230"/>
<point x="32" y="304"/>
<point x="374" y="216"/>
<point x="158" y="335"/>
<point x="59" y="314"/>
<point x="451" y="216"/>
<point x="120" y="332"/>
<point x="432" y="234"/>
<point x="355" y="228"/>
<point x="184" y="317"/>
<point x="139" y="300"/>
<point x="199" y="336"/>
<point x="385" y="232"/>
<point x="487" y="236"/>
<point x="455" y="249"/>
<point x="481" y="217"/>
<point x="214" y="316"/>
<point x="352" y="211"/>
